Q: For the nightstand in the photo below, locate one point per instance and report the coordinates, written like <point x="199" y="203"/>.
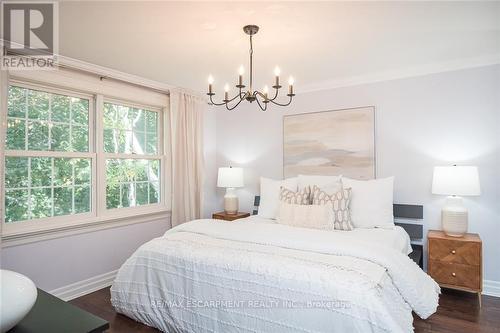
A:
<point x="456" y="262"/>
<point x="229" y="217"/>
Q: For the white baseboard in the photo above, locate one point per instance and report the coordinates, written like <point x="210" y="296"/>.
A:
<point x="84" y="287"/>
<point x="491" y="288"/>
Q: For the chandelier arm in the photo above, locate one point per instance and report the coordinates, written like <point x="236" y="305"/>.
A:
<point x="275" y="94"/>
<point x="232" y="108"/>
<point x="279" y="104"/>
<point x="260" y="106"/>
<point x="244" y="94"/>
<point x="235" y="97"/>
<point x="214" y="103"/>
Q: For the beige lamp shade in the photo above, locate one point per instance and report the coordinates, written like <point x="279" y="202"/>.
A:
<point x="456" y="180"/>
<point x="230" y="177"/>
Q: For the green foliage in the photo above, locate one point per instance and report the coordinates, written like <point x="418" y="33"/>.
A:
<point x="61" y="108"/>
<point x="16" y="102"/>
<point x="132" y="182"/>
<point x="129" y="130"/>
<point x="16" y="172"/>
<point x="60" y="137"/>
<point x="16" y="134"/>
<point x="62" y="201"/>
<point x="66" y="192"/>
<point x="16" y="205"/>
<point x="41" y="203"/>
<point x="41" y="171"/>
<point x="38" y="135"/>
<point x="38" y="105"/>
<point x="65" y="117"/>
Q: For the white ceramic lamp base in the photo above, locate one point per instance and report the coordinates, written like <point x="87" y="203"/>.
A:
<point x="454" y="217"/>
<point x="231" y="201"/>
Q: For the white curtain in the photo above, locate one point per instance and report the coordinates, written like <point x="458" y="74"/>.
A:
<point x="186" y="120"/>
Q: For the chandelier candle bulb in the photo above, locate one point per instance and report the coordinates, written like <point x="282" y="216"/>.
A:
<point x="241" y="71"/>
<point x="210" y="82"/>
<point x="266" y="91"/>
<point x="290" y="85"/>
<point x="226" y="92"/>
<point x="277" y="72"/>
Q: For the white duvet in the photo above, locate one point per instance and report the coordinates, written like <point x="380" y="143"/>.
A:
<point x="215" y="276"/>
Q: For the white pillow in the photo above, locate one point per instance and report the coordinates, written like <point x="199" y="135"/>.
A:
<point x="270" y="195"/>
<point x="322" y="182"/>
<point x="371" y="202"/>
<point x="306" y="216"/>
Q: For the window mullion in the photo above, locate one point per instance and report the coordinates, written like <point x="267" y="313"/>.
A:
<point x="100" y="184"/>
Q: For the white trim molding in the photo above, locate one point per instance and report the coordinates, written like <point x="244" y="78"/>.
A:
<point x="14" y="239"/>
<point x="407" y="72"/>
<point x="84" y="287"/>
<point x="491" y="288"/>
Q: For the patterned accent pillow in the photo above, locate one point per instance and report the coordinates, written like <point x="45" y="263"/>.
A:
<point x="302" y="197"/>
<point x="340" y="201"/>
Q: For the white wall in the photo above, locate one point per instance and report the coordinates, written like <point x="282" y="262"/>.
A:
<point x="421" y="122"/>
<point x="59" y="262"/>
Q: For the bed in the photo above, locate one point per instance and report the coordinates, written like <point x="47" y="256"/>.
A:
<point x="254" y="275"/>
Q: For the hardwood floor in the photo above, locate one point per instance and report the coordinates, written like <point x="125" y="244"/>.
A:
<point x="458" y="312"/>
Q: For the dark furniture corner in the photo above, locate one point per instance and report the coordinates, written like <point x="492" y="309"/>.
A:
<point x="51" y="314"/>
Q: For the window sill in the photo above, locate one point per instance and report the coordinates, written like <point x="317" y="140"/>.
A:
<point x="15" y="238"/>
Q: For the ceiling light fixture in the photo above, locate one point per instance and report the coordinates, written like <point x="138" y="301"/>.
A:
<point x="262" y="98"/>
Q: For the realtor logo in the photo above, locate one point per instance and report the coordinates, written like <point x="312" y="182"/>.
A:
<point x="29" y="34"/>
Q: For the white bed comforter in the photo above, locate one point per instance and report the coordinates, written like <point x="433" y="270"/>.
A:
<point x="214" y="276"/>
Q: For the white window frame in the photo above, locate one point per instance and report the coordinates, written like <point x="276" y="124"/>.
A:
<point x="20" y="232"/>
<point x="103" y="156"/>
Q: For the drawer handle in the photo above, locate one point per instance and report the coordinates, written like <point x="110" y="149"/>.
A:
<point x="453" y="274"/>
<point x="453" y="251"/>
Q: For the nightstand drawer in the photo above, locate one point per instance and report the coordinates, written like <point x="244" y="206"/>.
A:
<point x="458" y="275"/>
<point x="455" y="251"/>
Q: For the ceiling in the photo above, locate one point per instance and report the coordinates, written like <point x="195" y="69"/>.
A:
<point x="180" y="43"/>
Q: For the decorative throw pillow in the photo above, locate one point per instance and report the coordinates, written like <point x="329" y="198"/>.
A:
<point x="270" y="195"/>
<point x="372" y="200"/>
<point x="340" y="203"/>
<point x="306" y="216"/>
<point x="302" y="197"/>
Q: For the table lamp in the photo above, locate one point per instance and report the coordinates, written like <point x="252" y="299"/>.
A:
<point x="455" y="181"/>
<point x="230" y="178"/>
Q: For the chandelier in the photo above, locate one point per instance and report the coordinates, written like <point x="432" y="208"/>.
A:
<point x="251" y="95"/>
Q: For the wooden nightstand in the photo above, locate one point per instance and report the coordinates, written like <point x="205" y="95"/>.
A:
<point x="456" y="262"/>
<point x="229" y="217"/>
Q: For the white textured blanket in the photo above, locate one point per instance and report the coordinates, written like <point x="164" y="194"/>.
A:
<point x="215" y="276"/>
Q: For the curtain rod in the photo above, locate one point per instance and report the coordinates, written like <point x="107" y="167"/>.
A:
<point x="111" y="74"/>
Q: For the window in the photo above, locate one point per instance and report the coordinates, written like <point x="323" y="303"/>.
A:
<point x="132" y="162"/>
<point x="47" y="164"/>
<point x="66" y="154"/>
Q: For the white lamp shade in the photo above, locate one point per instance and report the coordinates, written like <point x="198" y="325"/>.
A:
<point x="456" y="180"/>
<point x="230" y="177"/>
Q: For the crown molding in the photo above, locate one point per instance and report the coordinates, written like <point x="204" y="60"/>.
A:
<point x="109" y="73"/>
<point x="401" y="73"/>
